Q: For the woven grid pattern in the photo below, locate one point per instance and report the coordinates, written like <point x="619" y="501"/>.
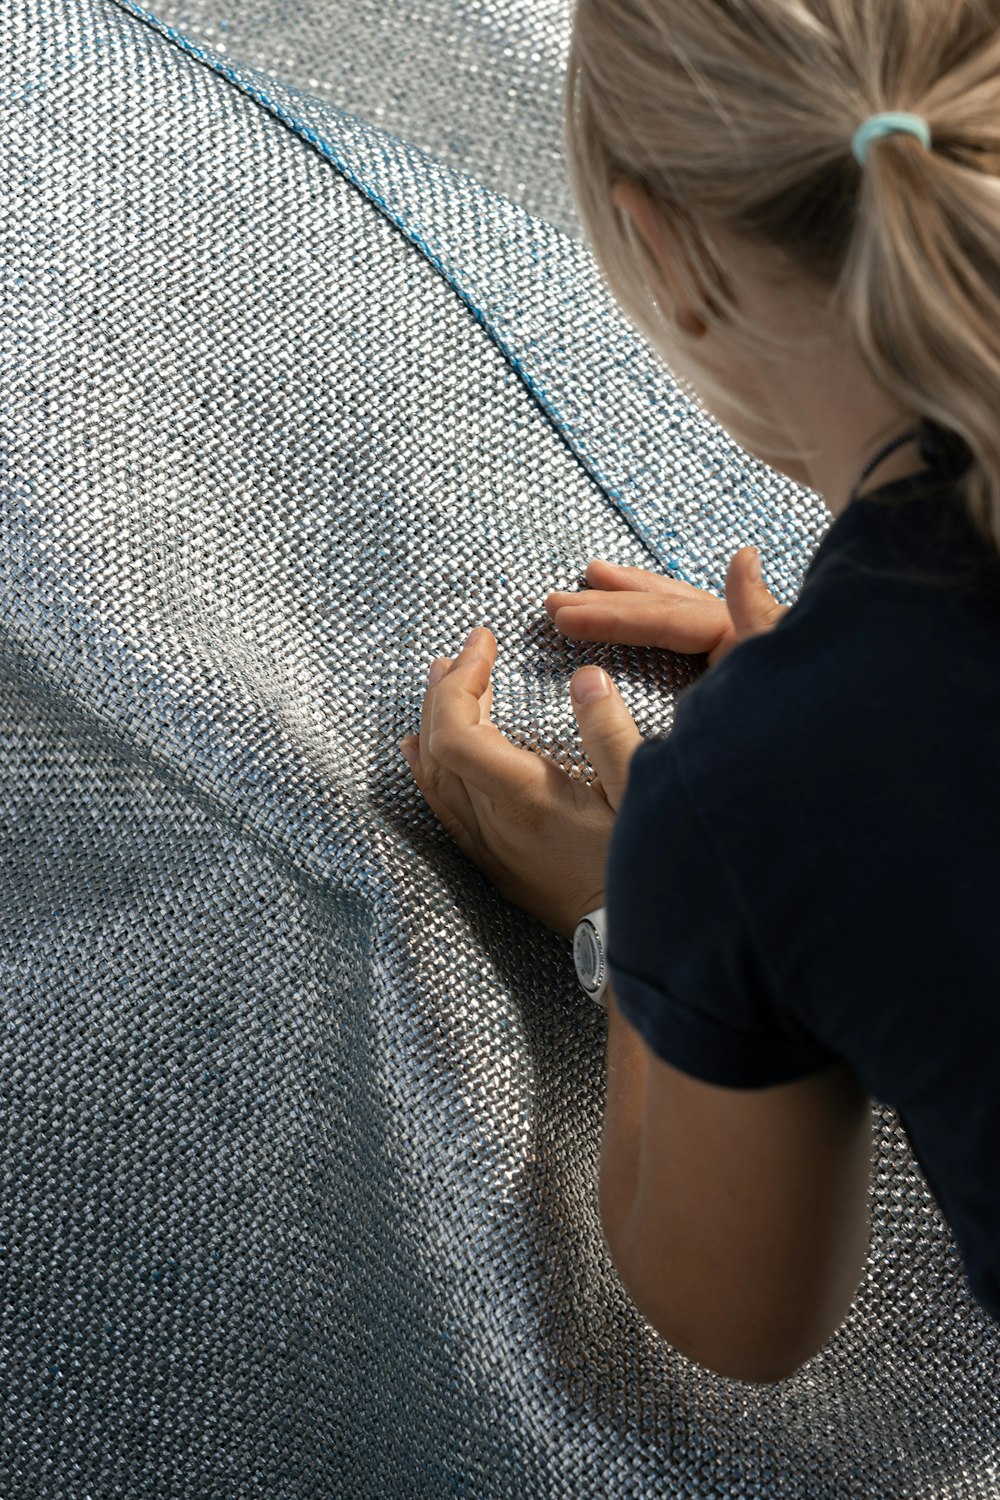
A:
<point x="477" y="83"/>
<point x="302" y="1122"/>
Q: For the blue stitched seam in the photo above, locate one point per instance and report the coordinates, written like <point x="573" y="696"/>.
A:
<point x="561" y="426"/>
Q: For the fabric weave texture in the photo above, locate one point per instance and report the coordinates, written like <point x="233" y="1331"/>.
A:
<point x="476" y="83"/>
<point x="301" y="1121"/>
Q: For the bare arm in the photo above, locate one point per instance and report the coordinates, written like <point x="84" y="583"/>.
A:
<point x="737" y="1218"/>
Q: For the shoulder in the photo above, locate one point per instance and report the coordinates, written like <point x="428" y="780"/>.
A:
<point x="848" y="662"/>
<point x="709" y="856"/>
<point x="782" y="703"/>
<point x="791" y="749"/>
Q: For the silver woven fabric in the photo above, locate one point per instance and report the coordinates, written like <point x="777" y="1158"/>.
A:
<point x="475" y="82"/>
<point x="301" y="1122"/>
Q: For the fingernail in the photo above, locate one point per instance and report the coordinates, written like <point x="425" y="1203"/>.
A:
<point x="589" y="684"/>
<point x="472" y="637"/>
<point x="437" y="671"/>
<point x="753" y="571"/>
<point x="409" y="752"/>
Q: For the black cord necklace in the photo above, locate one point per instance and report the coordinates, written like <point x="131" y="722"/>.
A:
<point x="883" y="453"/>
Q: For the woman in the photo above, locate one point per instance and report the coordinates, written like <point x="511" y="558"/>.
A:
<point x="798" y="202"/>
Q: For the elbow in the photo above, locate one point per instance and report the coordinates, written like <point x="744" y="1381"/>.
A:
<point x="754" y="1371"/>
<point x="760" y="1360"/>
<point x="758" y="1353"/>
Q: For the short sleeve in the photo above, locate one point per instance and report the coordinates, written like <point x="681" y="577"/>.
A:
<point x="685" y="966"/>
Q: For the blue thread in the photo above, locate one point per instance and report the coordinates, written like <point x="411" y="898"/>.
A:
<point x="402" y="220"/>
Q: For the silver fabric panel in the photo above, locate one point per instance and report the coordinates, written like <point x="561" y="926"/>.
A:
<point x="301" y="1122"/>
<point x="477" y="83"/>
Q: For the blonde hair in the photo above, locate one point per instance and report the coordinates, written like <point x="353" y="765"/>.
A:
<point x="741" y="113"/>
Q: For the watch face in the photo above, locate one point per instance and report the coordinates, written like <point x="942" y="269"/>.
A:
<point x="587" y="956"/>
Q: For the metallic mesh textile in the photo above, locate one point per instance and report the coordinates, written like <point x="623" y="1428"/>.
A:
<point x="301" y="1122"/>
<point x="477" y="83"/>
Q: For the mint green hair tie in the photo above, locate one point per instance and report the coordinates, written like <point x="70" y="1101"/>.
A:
<point x="888" y="124"/>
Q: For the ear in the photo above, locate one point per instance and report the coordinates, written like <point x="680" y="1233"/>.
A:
<point x="668" y="253"/>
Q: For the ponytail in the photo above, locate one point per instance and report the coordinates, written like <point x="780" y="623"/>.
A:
<point x="921" y="287"/>
<point x="742" y="112"/>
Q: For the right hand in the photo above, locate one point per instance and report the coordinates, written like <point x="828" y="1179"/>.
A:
<point x="633" y="607"/>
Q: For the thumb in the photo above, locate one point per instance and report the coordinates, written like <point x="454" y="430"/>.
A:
<point x="608" y="730"/>
<point x="752" y="607"/>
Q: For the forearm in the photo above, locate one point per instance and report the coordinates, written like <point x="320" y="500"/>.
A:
<point x="619" y="1169"/>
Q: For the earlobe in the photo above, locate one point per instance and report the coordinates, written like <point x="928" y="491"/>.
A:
<point x="690" y="322"/>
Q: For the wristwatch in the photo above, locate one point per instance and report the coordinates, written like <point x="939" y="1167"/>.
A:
<point x="589" y="955"/>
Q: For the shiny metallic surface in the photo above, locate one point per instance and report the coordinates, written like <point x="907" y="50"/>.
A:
<point x="301" y="1121"/>
<point x="477" y="83"/>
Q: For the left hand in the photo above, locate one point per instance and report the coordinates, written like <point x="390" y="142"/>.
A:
<point x="541" y="837"/>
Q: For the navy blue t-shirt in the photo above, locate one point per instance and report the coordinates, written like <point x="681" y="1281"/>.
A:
<point x="806" y="870"/>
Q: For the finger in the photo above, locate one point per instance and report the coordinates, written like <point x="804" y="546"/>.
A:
<point x="618" y="575"/>
<point x="686" y="623"/>
<point x="609" y="733"/>
<point x="608" y="575"/>
<point x="614" y="576"/>
<point x="448" y="799"/>
<point x="439" y="667"/>
<point x="486" y="701"/>
<point x="439" y="662"/>
<point x="445" y="793"/>
<point x="750" y="604"/>
<point x="596" y="786"/>
<point x="459" y="737"/>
